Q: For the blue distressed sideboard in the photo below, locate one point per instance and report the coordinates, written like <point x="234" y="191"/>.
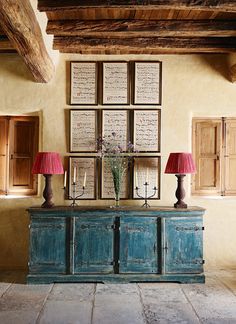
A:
<point x="94" y="244"/>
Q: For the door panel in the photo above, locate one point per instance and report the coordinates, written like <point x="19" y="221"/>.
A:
<point x="94" y="244"/>
<point x="138" y="245"/>
<point x="183" y="245"/>
<point x="48" y="245"/>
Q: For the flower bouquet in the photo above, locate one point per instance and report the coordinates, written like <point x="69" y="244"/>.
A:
<point x="118" y="159"/>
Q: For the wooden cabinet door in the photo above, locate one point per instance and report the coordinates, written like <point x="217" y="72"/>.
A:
<point x="93" y="244"/>
<point x="230" y="157"/>
<point x="48" y="253"/>
<point x="182" y="245"/>
<point x="139" y="246"/>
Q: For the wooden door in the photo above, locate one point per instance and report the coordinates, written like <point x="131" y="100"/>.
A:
<point x="182" y="245"/>
<point x="93" y="244"/>
<point x="23" y="147"/>
<point x="3" y="154"/>
<point x="230" y="157"/>
<point x="139" y="248"/>
<point x="48" y="245"/>
<point x="207" y="142"/>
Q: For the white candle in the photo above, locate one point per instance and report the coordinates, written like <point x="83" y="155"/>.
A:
<point x="74" y="175"/>
<point x="147" y="175"/>
<point x="85" y="176"/>
<point x="65" y="178"/>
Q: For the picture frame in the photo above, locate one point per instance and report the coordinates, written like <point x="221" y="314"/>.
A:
<point x="85" y="174"/>
<point x="83" y="130"/>
<point x="147" y="83"/>
<point x="115" y="83"/>
<point x="84" y="83"/>
<point x="146" y="169"/>
<point x="107" y="185"/>
<point x="116" y="121"/>
<point x="147" y="130"/>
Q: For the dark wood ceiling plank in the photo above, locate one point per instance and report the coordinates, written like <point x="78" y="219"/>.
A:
<point x="140" y="44"/>
<point x="5" y="45"/>
<point x="21" y="26"/>
<point x="220" y="5"/>
<point x="142" y="28"/>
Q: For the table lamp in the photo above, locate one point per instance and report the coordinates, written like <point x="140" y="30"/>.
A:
<point x="180" y="164"/>
<point x="47" y="163"/>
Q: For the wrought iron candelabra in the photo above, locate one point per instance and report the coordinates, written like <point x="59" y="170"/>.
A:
<point x="74" y="196"/>
<point x="146" y="197"/>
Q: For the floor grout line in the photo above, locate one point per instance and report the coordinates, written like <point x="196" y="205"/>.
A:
<point x="93" y="302"/>
<point x="142" y="304"/>
<point x="191" y="305"/>
<point x="6" y="290"/>
<point x="43" y="306"/>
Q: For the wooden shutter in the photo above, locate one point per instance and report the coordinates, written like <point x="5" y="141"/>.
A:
<point x="3" y="154"/>
<point x="230" y="156"/>
<point x="23" y="138"/>
<point x="207" y="139"/>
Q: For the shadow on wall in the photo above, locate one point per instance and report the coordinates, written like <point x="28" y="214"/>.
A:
<point x="14" y="240"/>
<point x="218" y="63"/>
<point x="14" y="65"/>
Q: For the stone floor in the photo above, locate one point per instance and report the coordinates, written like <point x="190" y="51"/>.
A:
<point x="149" y="303"/>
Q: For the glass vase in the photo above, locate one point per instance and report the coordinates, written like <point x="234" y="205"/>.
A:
<point x="117" y="178"/>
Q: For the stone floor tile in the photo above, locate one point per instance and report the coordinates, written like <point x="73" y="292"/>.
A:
<point x="162" y="292"/>
<point x="212" y="301"/>
<point x="80" y="291"/>
<point x="18" y="317"/>
<point x="24" y="297"/>
<point x="3" y="288"/>
<point x="117" y="304"/>
<point x="169" y="312"/>
<point x="66" y="312"/>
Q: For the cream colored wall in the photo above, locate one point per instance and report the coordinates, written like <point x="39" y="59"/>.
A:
<point x="193" y="85"/>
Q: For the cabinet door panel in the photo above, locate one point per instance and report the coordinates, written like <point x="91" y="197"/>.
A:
<point x="183" y="245"/>
<point x="48" y="245"/>
<point x="138" y="245"/>
<point x="93" y="245"/>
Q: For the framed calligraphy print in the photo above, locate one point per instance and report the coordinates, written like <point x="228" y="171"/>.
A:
<point x="147" y="83"/>
<point x="82" y="172"/>
<point x="83" y="130"/>
<point x="115" y="83"/>
<point x="146" y="137"/>
<point x="83" y="83"/>
<point x="117" y="122"/>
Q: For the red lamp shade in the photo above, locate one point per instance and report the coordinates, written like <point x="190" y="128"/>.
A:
<point x="47" y="163"/>
<point x="180" y="163"/>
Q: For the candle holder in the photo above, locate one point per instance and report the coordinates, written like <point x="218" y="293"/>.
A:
<point x="74" y="197"/>
<point x="146" y="197"/>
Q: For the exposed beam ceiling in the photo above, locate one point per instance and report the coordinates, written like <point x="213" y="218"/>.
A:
<point x="21" y="27"/>
<point x="142" y="26"/>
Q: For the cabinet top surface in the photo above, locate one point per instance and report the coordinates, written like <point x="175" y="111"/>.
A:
<point x="119" y="209"/>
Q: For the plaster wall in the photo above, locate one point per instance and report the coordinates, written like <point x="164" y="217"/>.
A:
<point x="193" y="86"/>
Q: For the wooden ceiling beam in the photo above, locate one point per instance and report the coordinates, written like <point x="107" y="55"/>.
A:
<point x="21" y="26"/>
<point x="142" y="28"/>
<point x="138" y="45"/>
<point x="216" y="5"/>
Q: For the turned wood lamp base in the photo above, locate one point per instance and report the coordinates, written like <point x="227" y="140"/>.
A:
<point x="47" y="193"/>
<point x="180" y="192"/>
